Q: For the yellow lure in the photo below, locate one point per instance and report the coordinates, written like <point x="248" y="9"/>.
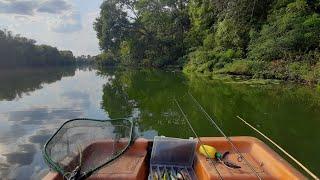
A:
<point x="207" y="151"/>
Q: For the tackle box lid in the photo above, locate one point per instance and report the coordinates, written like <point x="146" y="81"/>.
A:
<point x="173" y="151"/>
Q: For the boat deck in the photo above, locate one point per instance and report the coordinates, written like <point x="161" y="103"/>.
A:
<point x="133" y="164"/>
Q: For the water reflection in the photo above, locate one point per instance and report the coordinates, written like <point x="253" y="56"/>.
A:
<point x="287" y="113"/>
<point x="15" y="82"/>
<point x="24" y="156"/>
<point x="151" y="93"/>
<point x="41" y="115"/>
<point x="34" y="103"/>
<point x="31" y="111"/>
<point x="40" y="137"/>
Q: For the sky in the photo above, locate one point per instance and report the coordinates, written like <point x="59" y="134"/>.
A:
<point x="65" y="24"/>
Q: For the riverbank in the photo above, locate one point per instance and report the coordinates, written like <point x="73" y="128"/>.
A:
<point x="299" y="72"/>
<point x="246" y="72"/>
<point x="272" y="39"/>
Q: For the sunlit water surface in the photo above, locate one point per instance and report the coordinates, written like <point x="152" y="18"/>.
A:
<point x="34" y="102"/>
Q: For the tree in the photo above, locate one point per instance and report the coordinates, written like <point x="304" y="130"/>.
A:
<point x="143" y="32"/>
<point x="291" y="31"/>
<point x="210" y="35"/>
<point x="111" y="26"/>
<point x="18" y="51"/>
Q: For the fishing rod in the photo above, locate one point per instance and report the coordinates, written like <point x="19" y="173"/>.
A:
<point x="280" y="148"/>
<point x="194" y="132"/>
<point x="229" y="140"/>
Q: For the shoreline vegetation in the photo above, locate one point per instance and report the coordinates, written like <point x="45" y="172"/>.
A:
<point x="261" y="39"/>
<point x="20" y="52"/>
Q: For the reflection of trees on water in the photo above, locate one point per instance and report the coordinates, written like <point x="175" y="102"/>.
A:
<point x="115" y="99"/>
<point x="152" y="93"/>
<point x="285" y="112"/>
<point x="15" y="82"/>
<point x="268" y="105"/>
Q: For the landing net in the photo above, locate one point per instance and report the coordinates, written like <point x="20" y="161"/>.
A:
<point x="82" y="146"/>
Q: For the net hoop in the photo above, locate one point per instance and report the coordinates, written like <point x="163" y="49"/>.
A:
<point x="53" y="165"/>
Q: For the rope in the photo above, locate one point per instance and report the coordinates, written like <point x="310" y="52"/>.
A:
<point x="229" y="140"/>
<point x="194" y="132"/>
<point x="281" y="149"/>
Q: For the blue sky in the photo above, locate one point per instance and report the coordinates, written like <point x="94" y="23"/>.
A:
<point x="65" y="24"/>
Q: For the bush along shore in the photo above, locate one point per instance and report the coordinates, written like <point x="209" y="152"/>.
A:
<point x="272" y="39"/>
<point x="301" y="72"/>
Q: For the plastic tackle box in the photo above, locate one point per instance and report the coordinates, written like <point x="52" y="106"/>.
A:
<point x="172" y="154"/>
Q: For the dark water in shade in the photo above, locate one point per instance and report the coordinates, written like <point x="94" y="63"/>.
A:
<point x="34" y="102"/>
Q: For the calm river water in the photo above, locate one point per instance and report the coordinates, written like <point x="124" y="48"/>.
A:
<point x="34" y="102"/>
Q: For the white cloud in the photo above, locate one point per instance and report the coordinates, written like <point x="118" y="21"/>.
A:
<point x="18" y="7"/>
<point x="66" y="23"/>
<point x="66" y="20"/>
<point x="54" y="6"/>
<point x="28" y="7"/>
<point x="71" y="29"/>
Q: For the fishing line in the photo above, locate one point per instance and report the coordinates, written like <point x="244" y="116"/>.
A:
<point x="194" y="132"/>
<point x="280" y="148"/>
<point x="229" y="140"/>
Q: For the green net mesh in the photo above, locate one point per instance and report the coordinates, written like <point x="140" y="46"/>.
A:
<point x="81" y="146"/>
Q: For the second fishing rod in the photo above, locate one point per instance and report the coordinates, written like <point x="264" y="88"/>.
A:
<point x="235" y="149"/>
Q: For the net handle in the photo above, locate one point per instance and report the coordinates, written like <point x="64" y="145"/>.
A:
<point x="86" y="175"/>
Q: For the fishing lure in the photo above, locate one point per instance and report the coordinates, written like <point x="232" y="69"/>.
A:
<point x="165" y="174"/>
<point x="231" y="165"/>
<point x="221" y="158"/>
<point x="172" y="175"/>
<point x="185" y="175"/>
<point x="155" y="175"/>
<point x="179" y="176"/>
<point x="207" y="151"/>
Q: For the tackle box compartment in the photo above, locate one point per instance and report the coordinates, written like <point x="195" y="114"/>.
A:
<point x="172" y="154"/>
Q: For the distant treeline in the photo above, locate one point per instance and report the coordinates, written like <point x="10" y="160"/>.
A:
<point x="86" y="60"/>
<point x="259" y="38"/>
<point x="17" y="51"/>
<point x="16" y="82"/>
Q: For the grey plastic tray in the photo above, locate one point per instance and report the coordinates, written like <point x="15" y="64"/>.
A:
<point x="172" y="154"/>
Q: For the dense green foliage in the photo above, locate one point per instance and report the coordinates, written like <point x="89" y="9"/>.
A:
<point x="17" y="51"/>
<point x="147" y="32"/>
<point x="269" y="39"/>
<point x="261" y="38"/>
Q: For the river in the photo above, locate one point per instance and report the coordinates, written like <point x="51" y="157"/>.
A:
<point x="34" y="102"/>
